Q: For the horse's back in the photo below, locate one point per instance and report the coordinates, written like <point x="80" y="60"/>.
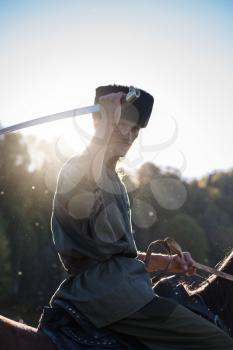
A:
<point x="15" y="335"/>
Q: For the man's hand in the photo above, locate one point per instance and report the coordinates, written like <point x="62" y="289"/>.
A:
<point x="111" y="108"/>
<point x="182" y="264"/>
<point x="110" y="116"/>
<point x="175" y="263"/>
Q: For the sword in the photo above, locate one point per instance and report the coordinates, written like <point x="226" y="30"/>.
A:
<point x="132" y="95"/>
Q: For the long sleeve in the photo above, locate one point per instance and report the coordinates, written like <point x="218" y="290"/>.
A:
<point x="88" y="222"/>
<point x="92" y="233"/>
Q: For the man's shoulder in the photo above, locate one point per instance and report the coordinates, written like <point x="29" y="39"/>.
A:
<point x="76" y="160"/>
<point x="76" y="163"/>
<point x="74" y="171"/>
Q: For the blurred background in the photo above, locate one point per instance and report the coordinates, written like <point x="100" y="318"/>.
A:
<point x="179" y="173"/>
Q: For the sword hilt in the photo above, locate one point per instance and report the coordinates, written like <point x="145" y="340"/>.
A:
<point x="132" y="95"/>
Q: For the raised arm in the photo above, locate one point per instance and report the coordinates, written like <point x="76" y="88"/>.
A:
<point x="104" y="125"/>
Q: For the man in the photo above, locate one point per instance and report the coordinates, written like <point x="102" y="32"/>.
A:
<point x="92" y="233"/>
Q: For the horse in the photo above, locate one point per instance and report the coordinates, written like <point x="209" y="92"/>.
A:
<point x="215" y="291"/>
<point x="15" y="335"/>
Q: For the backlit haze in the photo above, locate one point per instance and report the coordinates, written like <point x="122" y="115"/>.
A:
<point x="54" y="54"/>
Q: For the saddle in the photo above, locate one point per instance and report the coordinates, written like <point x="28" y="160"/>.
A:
<point x="170" y="288"/>
<point x="69" y="329"/>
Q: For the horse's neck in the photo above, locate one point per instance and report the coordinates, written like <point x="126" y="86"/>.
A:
<point x="216" y="284"/>
<point x="15" y="335"/>
<point x="217" y="292"/>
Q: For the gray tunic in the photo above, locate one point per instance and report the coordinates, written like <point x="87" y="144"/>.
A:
<point x="92" y="233"/>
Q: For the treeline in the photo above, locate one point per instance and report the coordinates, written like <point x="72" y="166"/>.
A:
<point x="199" y="215"/>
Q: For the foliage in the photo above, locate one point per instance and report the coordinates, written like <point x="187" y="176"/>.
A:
<point x="4" y="260"/>
<point x="25" y="208"/>
<point x="185" y="229"/>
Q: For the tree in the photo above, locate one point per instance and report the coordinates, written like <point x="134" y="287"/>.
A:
<point x="4" y="260"/>
<point x="26" y="209"/>
<point x="191" y="236"/>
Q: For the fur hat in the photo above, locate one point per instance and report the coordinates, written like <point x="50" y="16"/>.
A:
<point x="139" y="111"/>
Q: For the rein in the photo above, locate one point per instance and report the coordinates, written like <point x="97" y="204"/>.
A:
<point x="173" y="247"/>
<point x="151" y="249"/>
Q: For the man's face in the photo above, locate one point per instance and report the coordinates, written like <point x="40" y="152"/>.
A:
<point x="123" y="137"/>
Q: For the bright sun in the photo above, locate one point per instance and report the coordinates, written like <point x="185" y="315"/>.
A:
<point x="68" y="135"/>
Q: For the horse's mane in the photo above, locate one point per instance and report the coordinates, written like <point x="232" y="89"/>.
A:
<point x="217" y="292"/>
<point x="222" y="265"/>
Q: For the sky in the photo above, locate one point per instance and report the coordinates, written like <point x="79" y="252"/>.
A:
<point x="53" y="54"/>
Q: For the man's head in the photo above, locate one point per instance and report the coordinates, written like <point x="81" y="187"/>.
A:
<point x="138" y="112"/>
<point x="133" y="117"/>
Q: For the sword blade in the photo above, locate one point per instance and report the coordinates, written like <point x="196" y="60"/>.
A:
<point x="213" y="271"/>
<point x="50" y="118"/>
<point x="131" y="96"/>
